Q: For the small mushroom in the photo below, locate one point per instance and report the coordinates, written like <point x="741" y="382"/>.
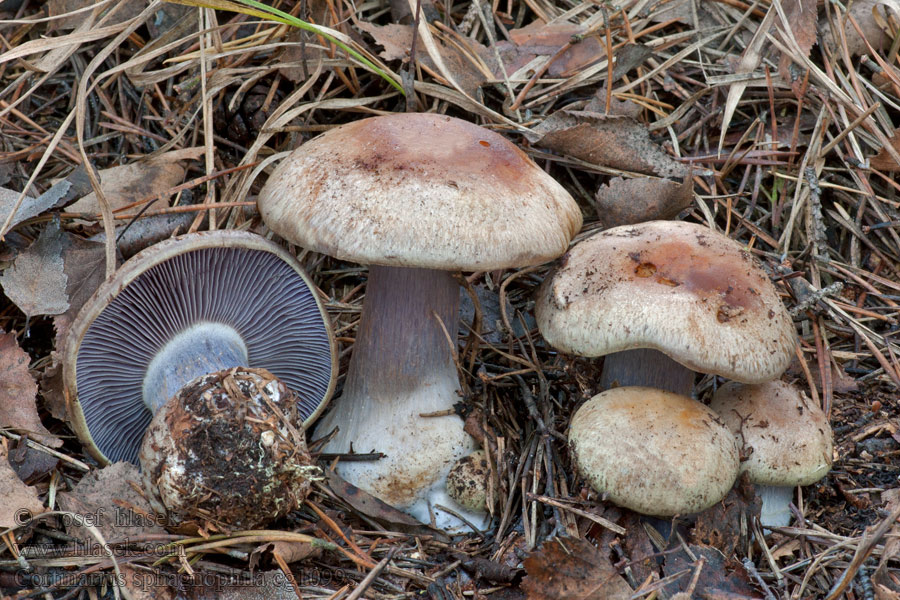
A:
<point x="786" y="439"/>
<point x="654" y="452"/>
<point x="183" y="308"/>
<point x="416" y="197"/>
<point x="225" y="453"/>
<point x="693" y="298"/>
<point x="467" y="482"/>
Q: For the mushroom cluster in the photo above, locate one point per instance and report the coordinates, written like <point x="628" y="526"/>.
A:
<point x="416" y="197"/>
<point x="177" y="329"/>
<point x="662" y="300"/>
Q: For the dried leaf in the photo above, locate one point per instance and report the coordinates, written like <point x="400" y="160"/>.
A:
<point x="725" y="525"/>
<point x="109" y="497"/>
<point x="393" y="37"/>
<point x="721" y="577"/>
<point x="17" y="394"/>
<point x="19" y="500"/>
<point x="803" y="19"/>
<point x="37" y="282"/>
<point x="606" y="140"/>
<point x="628" y="201"/>
<point x="128" y="9"/>
<point x="540" y="39"/>
<point x="129" y="183"/>
<point x="869" y="15"/>
<point x="374" y="508"/>
<point x="883" y="161"/>
<point x="75" y="185"/>
<point x="289" y="552"/>
<point x="572" y="569"/>
<point x="397" y="41"/>
<point x="146" y="584"/>
<point x="84" y="264"/>
<point x="29" y="463"/>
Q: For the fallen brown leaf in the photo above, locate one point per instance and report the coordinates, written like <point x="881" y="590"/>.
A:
<point x="18" y="391"/>
<point x="288" y="551"/>
<point x="109" y="498"/>
<point x="883" y="161"/>
<point x="803" y="19"/>
<point x="37" y="281"/>
<point x="144" y="583"/>
<point x="628" y="201"/>
<point x="20" y="501"/>
<point x="29" y="463"/>
<point x="864" y="13"/>
<point x="374" y="508"/>
<point x="572" y="569"/>
<point x="721" y="577"/>
<point x="605" y="140"/>
<point x="397" y="41"/>
<point x="726" y="524"/>
<point x="540" y="39"/>
<point x="125" y="184"/>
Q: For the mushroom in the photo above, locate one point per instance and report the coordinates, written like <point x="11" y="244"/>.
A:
<point x="654" y="452"/>
<point x="416" y="197"/>
<point x="694" y="299"/>
<point x="186" y="307"/>
<point x="787" y="441"/>
<point x="467" y="481"/>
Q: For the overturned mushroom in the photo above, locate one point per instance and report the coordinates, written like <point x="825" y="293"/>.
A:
<point x="183" y="308"/>
<point x="416" y="197"/>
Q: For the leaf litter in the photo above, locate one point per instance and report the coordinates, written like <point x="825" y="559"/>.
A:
<point x="727" y="113"/>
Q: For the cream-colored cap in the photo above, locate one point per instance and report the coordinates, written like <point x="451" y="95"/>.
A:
<point x="676" y="287"/>
<point x="655" y="452"/>
<point x="419" y="190"/>
<point x="788" y="437"/>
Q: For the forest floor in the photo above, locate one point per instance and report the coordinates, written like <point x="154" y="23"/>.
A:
<point x="772" y="121"/>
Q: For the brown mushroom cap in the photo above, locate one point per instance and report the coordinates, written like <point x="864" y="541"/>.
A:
<point x="419" y="190"/>
<point x="654" y="452"/>
<point x="788" y="437"/>
<point x="676" y="287"/>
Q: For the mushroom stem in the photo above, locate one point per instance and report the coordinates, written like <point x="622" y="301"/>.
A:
<point x="198" y="350"/>
<point x="402" y="366"/>
<point x="648" y="368"/>
<point x="776" y="500"/>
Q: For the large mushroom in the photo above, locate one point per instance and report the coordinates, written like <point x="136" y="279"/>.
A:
<point x="416" y="197"/>
<point x="663" y="299"/>
<point x="183" y="308"/>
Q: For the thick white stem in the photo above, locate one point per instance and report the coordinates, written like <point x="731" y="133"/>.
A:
<point x="402" y="366"/>
<point x="775" y="510"/>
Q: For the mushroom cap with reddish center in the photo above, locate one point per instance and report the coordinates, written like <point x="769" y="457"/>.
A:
<point x="676" y="287"/>
<point x="419" y="190"/>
